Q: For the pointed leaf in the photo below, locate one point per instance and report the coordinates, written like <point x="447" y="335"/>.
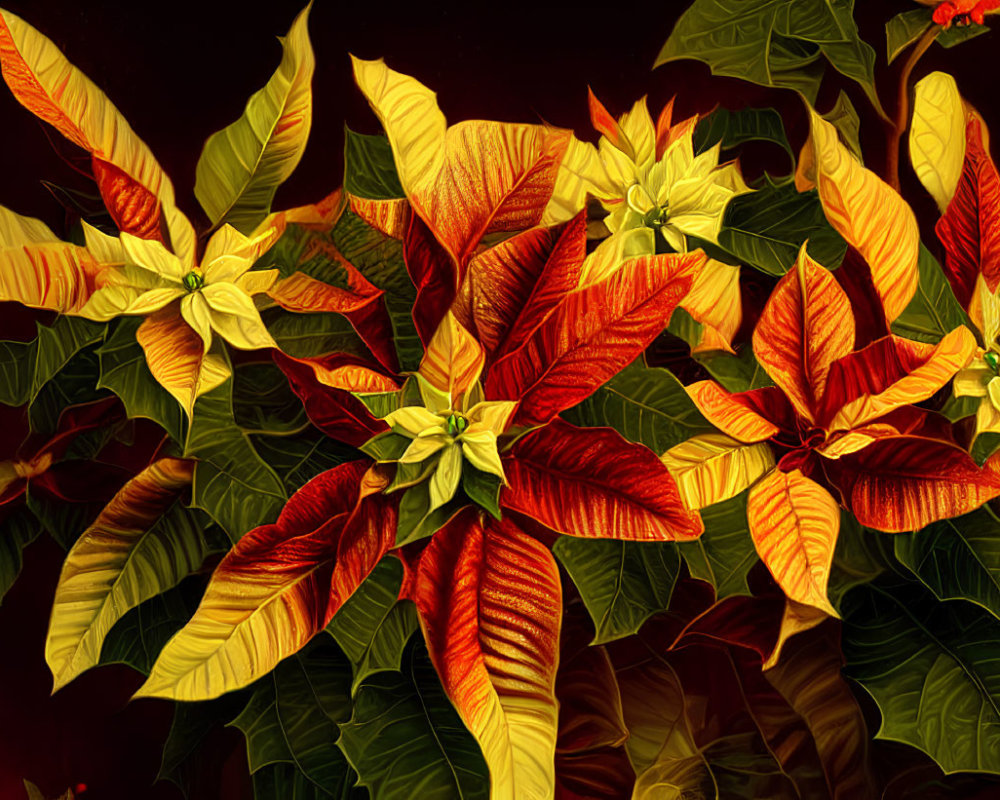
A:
<point x="242" y="165"/>
<point x="724" y="554"/>
<point x="713" y="467"/>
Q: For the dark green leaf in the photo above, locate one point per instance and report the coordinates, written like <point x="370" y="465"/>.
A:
<point x="482" y="488"/>
<point x="369" y="168"/>
<point x="844" y="117"/>
<point x="724" y="554"/>
<point x="739" y="373"/>
<point x="933" y="668"/>
<point x="232" y="482"/>
<point x="767" y="228"/>
<point x="405" y="733"/>
<point x="124" y="372"/>
<point x="300" y="458"/>
<point x="733" y="128"/>
<point x="263" y="402"/>
<point x="933" y="311"/>
<point x="959" y="34"/>
<point x="622" y="583"/>
<point x="312" y="335"/>
<point x="905" y="28"/>
<point x="388" y="446"/>
<point x="417" y="520"/>
<point x="647" y="405"/>
<point x="17" y="530"/>
<point x="380" y="404"/>
<point x="860" y="557"/>
<point x="984" y="446"/>
<point x="957" y="558"/>
<point x="74" y="384"/>
<point x="373" y="626"/>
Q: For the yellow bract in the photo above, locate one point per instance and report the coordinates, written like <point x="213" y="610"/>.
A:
<point x="937" y="136"/>
<point x="450" y="429"/>
<point x="981" y="377"/>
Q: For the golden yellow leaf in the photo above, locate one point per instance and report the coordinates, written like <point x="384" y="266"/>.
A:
<point x="937" y="136"/>
<point x="713" y="467"/>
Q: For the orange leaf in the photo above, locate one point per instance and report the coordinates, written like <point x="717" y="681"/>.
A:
<point x="806" y="325"/>
<point x="590" y="482"/>
<point x="794" y="524"/>
<point x="863" y="209"/>
<point x="490" y="603"/>
<point x="453" y="360"/>
<point x="740" y="415"/>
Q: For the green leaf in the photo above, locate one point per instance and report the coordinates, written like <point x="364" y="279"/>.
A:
<point x="844" y="117"/>
<point x="956" y="408"/>
<point x="861" y="556"/>
<point x="293" y="716"/>
<point x="380" y="404"/>
<point x="733" y="128"/>
<point x="416" y="520"/>
<point x="482" y="488"/>
<point x="959" y="34"/>
<point x="774" y="42"/>
<point x="905" y="28"/>
<point x="646" y="405"/>
<point x="237" y="488"/>
<point x="957" y="558"/>
<point x="191" y="724"/>
<point x="739" y="373"/>
<point x="288" y="782"/>
<point x="138" y="637"/>
<point x="767" y="228"/>
<point x="74" y="384"/>
<point x="984" y="446"/>
<point x="373" y="626"/>
<point x="263" y="402"/>
<point x="300" y="458"/>
<point x="243" y="165"/>
<point x="933" y="668"/>
<point x="724" y="554"/>
<point x="388" y="446"/>
<point x="622" y="583"/>
<point x="933" y="311"/>
<point x="311" y="335"/>
<point x="380" y="259"/>
<point x="26" y="367"/>
<point x="404" y="733"/>
<point x="63" y="520"/>
<point x="17" y="531"/>
<point x="124" y="372"/>
<point x="369" y="168"/>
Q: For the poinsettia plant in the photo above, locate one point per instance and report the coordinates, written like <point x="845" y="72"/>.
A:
<point x="532" y="463"/>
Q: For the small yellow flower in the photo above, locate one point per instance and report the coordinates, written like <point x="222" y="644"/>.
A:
<point x="981" y="378"/>
<point x="217" y="296"/>
<point x="449" y="430"/>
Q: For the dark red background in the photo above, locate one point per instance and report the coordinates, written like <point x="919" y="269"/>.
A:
<point x="180" y="71"/>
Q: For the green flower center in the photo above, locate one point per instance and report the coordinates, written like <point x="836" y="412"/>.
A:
<point x="455" y="424"/>
<point x="993" y="361"/>
<point x="193" y="281"/>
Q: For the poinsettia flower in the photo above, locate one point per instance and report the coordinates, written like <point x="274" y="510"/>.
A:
<point x="947" y="12"/>
<point x="486" y="587"/>
<point x="154" y="268"/>
<point x="838" y="429"/>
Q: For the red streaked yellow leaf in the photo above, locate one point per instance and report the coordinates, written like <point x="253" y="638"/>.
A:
<point x="591" y="336"/>
<point x="175" y="354"/>
<point x="510" y="289"/>
<point x="739" y="415"/>
<point x="490" y="603"/>
<point x="135" y="189"/>
<point x="272" y="592"/>
<point x="863" y="209"/>
<point x="116" y="564"/>
<point x="891" y="373"/>
<point x="905" y="483"/>
<point x="467" y="179"/>
<point x="794" y="524"/>
<point x="603" y="122"/>
<point x="715" y="302"/>
<point x="38" y="270"/>
<point x="970" y="228"/>
<point x="806" y="325"/>
<point x="453" y="360"/>
<point x="713" y="467"/>
<point x="391" y="217"/>
<point x="590" y="482"/>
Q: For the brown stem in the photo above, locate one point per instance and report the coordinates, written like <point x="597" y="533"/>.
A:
<point x="895" y="131"/>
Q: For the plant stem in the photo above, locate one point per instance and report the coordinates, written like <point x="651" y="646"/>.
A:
<point x="894" y="132"/>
